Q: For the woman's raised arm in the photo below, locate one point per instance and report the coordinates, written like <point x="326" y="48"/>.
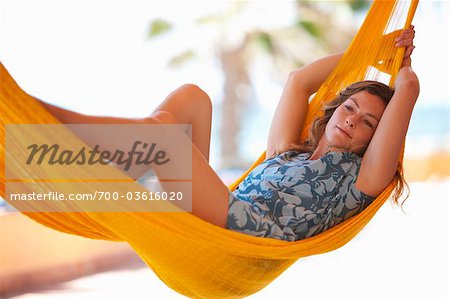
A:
<point x="380" y="160"/>
<point x="290" y="114"/>
<point x="379" y="163"/>
<point x="312" y="75"/>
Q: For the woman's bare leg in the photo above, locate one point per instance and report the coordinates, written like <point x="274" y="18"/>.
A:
<point x="187" y="104"/>
<point x="210" y="195"/>
<point x="190" y="105"/>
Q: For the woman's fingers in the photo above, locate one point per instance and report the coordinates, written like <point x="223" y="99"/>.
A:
<point x="405" y="43"/>
<point x="406" y="38"/>
<point x="406" y="35"/>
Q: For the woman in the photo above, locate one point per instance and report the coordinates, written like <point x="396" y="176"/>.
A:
<point x="300" y="190"/>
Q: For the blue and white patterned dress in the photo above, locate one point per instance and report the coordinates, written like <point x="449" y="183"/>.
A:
<point x="290" y="198"/>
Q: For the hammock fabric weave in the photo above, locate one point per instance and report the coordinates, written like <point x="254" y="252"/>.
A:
<point x="192" y="256"/>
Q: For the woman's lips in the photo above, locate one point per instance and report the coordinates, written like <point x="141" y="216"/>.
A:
<point x="344" y="132"/>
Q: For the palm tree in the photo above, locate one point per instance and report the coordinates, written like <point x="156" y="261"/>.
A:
<point x="316" y="31"/>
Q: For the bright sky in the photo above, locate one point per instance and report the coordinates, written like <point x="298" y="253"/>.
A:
<point x="93" y="56"/>
<point x="75" y="52"/>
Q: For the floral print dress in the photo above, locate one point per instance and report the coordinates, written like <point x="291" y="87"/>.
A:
<point x="288" y="197"/>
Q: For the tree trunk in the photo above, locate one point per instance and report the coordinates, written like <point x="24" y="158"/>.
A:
<point x="237" y="94"/>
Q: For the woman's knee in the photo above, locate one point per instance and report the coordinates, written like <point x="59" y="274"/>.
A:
<point x="164" y="117"/>
<point x="193" y="93"/>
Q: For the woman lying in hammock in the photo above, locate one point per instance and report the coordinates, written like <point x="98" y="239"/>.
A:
<point x="300" y="190"/>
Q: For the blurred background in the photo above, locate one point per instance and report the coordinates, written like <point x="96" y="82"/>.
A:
<point x="122" y="58"/>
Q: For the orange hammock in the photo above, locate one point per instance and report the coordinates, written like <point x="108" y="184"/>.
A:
<point x="192" y="256"/>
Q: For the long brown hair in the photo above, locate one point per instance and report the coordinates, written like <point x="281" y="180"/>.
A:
<point x="318" y="125"/>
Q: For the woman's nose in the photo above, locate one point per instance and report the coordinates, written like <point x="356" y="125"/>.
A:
<point x="350" y="122"/>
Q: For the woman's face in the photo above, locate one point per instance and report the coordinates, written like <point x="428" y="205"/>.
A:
<point x="353" y="123"/>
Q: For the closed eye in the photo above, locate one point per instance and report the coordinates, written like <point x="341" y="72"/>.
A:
<point x="368" y="123"/>
<point x="349" y="108"/>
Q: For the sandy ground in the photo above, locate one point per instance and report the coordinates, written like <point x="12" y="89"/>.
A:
<point x="33" y="256"/>
<point x="434" y="166"/>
